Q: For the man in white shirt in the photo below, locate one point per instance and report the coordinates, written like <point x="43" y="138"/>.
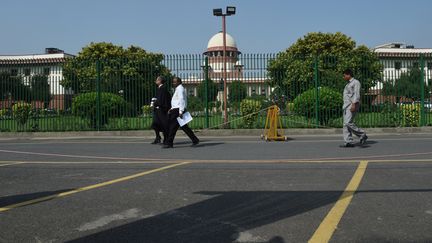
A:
<point x="178" y="108"/>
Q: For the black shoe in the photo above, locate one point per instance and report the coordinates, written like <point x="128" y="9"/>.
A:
<point x="363" y="139"/>
<point x="195" y="143"/>
<point x="347" y="145"/>
<point x="167" y="146"/>
<point x="156" y="141"/>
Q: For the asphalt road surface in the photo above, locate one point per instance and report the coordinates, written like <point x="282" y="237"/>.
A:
<point x="227" y="189"/>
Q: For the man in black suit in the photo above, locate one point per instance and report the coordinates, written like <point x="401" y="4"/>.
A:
<point x="178" y="108"/>
<point x="161" y="106"/>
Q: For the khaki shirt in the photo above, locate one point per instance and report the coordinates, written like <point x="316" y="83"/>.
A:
<point x="351" y="93"/>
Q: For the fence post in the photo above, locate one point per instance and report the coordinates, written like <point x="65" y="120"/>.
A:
<point x="206" y="79"/>
<point x="422" y="90"/>
<point x="98" y="95"/>
<point x="316" y="81"/>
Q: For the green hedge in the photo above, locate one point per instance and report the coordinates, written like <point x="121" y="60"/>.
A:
<point x="111" y="106"/>
<point x="329" y="105"/>
<point x="249" y="110"/>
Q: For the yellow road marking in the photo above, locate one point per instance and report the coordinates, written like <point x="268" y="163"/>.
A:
<point x="77" y="156"/>
<point x="330" y="222"/>
<point x="197" y="161"/>
<point x="86" y="188"/>
<point x="339" y="159"/>
<point x="97" y="162"/>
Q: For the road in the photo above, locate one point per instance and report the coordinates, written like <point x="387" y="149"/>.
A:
<point x="228" y="189"/>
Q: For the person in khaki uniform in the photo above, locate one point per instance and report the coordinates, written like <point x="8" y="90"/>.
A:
<point x="351" y="106"/>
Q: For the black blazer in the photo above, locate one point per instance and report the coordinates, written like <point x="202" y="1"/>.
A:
<point x="163" y="98"/>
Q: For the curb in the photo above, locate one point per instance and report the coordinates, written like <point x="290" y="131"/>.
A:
<point x="217" y="132"/>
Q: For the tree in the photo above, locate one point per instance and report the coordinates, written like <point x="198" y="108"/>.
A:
<point x="129" y="72"/>
<point x="212" y="91"/>
<point x="13" y="87"/>
<point x="407" y="85"/>
<point x="237" y="91"/>
<point x="293" y="69"/>
<point x="40" y="89"/>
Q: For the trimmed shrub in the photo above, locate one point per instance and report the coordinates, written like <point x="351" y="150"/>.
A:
<point x="111" y="106"/>
<point x="290" y="107"/>
<point x="194" y="104"/>
<point x="146" y="110"/>
<point x="411" y="115"/>
<point x="21" y="112"/>
<point x="249" y="110"/>
<point x="265" y="102"/>
<point x="3" y="113"/>
<point x="330" y="104"/>
<point x="392" y="114"/>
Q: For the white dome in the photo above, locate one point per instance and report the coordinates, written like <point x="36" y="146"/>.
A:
<point x="217" y="41"/>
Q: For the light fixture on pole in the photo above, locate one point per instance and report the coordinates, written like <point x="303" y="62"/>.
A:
<point x="230" y="10"/>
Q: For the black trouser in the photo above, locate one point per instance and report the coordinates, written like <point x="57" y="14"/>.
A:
<point x="174" y="126"/>
<point x="160" y="123"/>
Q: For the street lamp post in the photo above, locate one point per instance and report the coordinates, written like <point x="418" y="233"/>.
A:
<point x="218" y="12"/>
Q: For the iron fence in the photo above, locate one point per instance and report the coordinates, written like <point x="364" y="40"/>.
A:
<point x="114" y="94"/>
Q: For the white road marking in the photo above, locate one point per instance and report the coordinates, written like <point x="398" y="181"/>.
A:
<point x="105" y="220"/>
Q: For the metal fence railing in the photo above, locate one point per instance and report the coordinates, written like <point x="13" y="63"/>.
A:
<point x="114" y="94"/>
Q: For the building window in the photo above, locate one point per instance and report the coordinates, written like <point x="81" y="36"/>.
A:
<point x="398" y="65"/>
<point x="14" y="72"/>
<point x="27" y="72"/>
<point x="429" y="65"/>
<point x="46" y="71"/>
<point x="263" y="91"/>
<point x="253" y="90"/>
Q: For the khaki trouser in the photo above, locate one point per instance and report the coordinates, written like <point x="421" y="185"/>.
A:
<point x="349" y="127"/>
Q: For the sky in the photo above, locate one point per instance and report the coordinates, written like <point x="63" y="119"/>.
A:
<point x="185" y="26"/>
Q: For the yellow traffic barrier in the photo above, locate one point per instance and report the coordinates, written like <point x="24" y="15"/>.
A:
<point x="273" y="130"/>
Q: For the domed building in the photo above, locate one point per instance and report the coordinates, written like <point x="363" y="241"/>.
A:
<point x="253" y="76"/>
<point x="215" y="56"/>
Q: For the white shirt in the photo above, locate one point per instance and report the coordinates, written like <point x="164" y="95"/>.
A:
<point x="179" y="99"/>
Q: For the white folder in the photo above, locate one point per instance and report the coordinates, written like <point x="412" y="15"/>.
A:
<point x="186" y="118"/>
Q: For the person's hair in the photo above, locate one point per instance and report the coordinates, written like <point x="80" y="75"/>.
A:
<point x="348" y="72"/>
<point x="178" y="79"/>
<point x="162" y="79"/>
